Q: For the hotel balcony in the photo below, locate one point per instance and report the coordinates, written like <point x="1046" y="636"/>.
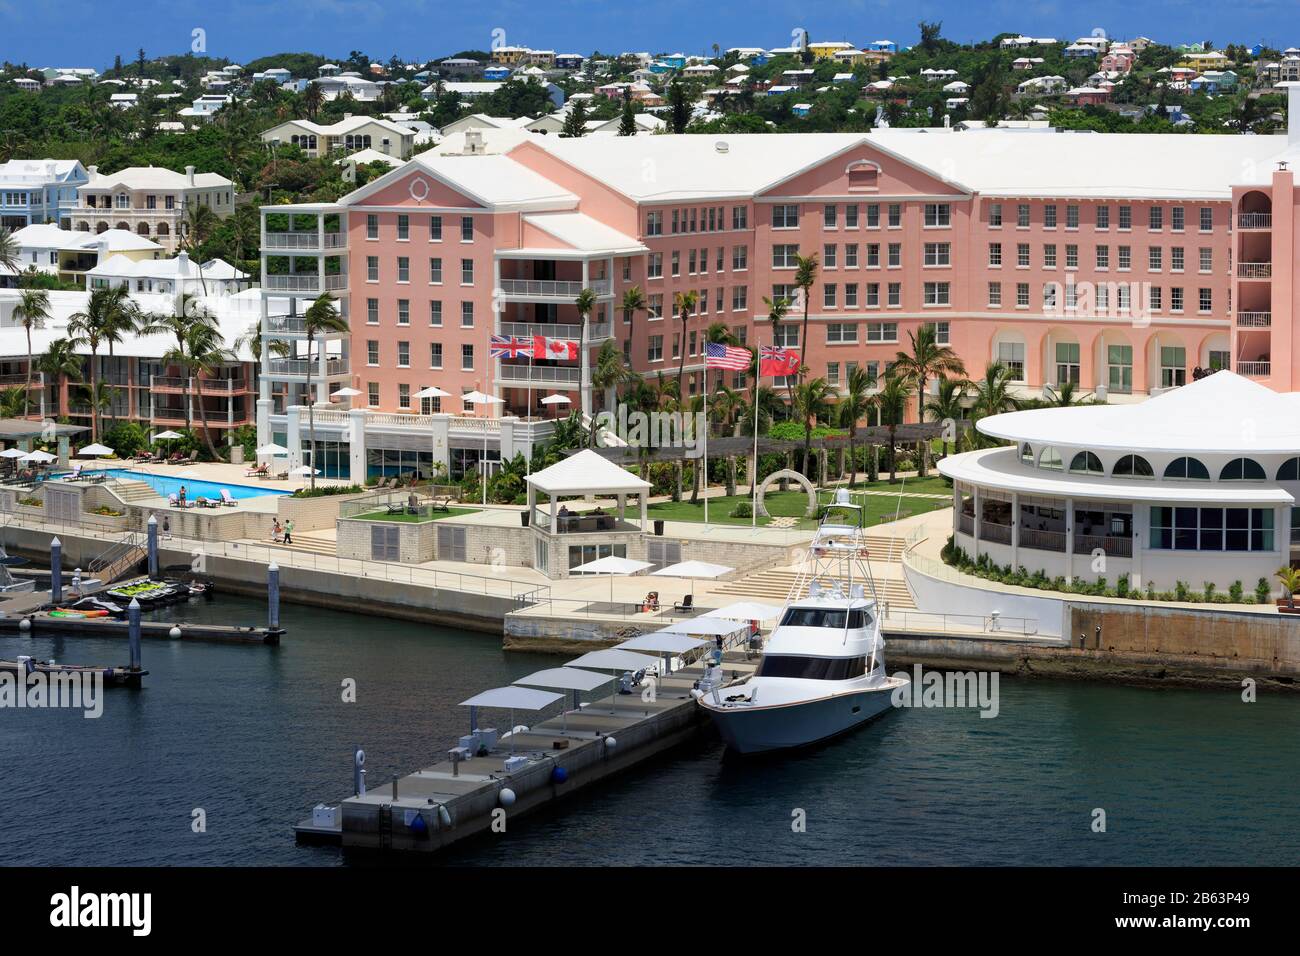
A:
<point x="312" y="283"/>
<point x="304" y="241"/>
<point x="523" y="374"/>
<point x="546" y="290"/>
<point x="297" y="368"/>
<point x="1255" y="369"/>
<point x="1255" y="270"/>
<point x="1255" y="220"/>
<point x="294" y="325"/>
<point x="214" y="386"/>
<point x="596" y="331"/>
<point x="1254" y="320"/>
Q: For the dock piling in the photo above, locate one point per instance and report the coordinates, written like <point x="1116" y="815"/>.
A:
<point x="153" y="546"/>
<point x="56" y="570"/>
<point x="358" y="771"/>
<point x="273" y="600"/>
<point x="133" y="632"/>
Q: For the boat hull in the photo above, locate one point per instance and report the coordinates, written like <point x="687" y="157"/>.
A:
<point x="749" y="730"/>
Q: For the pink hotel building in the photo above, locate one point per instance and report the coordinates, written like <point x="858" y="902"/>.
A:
<point x="1119" y="262"/>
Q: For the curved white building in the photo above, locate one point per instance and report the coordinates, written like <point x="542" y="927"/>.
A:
<point x="1197" y="484"/>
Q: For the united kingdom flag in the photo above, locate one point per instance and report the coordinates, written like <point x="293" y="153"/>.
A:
<point x="510" y="347"/>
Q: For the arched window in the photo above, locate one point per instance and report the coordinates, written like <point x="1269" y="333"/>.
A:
<point x="864" y="176"/>
<point x="142" y="229"/>
<point x="1290" y="470"/>
<point x="1132" y="466"/>
<point x="1189" y="468"/>
<point x="164" y="229"/>
<point x="1050" y="458"/>
<point x="1026" y="454"/>
<point x="1086" y="463"/>
<point x="1242" y="469"/>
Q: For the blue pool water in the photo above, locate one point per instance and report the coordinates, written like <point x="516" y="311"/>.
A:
<point x="194" y="488"/>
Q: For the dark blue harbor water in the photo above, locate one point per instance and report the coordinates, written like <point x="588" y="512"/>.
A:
<point x="256" y="735"/>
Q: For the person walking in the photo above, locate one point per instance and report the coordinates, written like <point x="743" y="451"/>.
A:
<point x="276" y="531"/>
<point x="288" y="531"/>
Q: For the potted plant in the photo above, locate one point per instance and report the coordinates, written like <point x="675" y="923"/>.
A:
<point x="1289" y="577"/>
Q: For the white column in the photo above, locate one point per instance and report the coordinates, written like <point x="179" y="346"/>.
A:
<point x="584" y="354"/>
<point x="294" y="434"/>
<point x="264" y="383"/>
<point x="357" y="445"/>
<point x="1015" y="531"/>
<point x="975" y="524"/>
<point x="1136" y="546"/>
<point x="264" y="421"/>
<point x="1069" y="539"/>
<point x="441" y="438"/>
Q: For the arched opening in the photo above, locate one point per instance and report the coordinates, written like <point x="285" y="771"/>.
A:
<point x="864" y="176"/>
<point x="1027" y="453"/>
<point x="1132" y="466"/>
<point x="1242" y="469"/>
<point x="123" y="226"/>
<point x="1290" y="470"/>
<point x="101" y="227"/>
<point x="1050" y="459"/>
<point x="142" y="229"/>
<point x="164" y="229"/>
<point x="1086" y="463"/>
<point x="1188" y="469"/>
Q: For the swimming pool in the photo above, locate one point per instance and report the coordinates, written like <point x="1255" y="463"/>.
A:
<point x="194" y="487"/>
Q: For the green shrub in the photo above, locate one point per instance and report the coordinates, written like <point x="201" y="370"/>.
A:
<point x="324" y="491"/>
<point x="743" y="509"/>
<point x="1235" y="592"/>
<point x="1263" y="591"/>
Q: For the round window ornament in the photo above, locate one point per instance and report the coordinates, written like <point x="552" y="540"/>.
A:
<point x="419" y="189"/>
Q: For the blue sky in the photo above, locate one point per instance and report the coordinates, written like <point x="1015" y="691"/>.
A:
<point x="47" y="33"/>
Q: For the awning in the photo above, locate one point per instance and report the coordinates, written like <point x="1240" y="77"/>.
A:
<point x="513" y="698"/>
<point x="565" y="678"/>
<point x="664" y="642"/>
<point x="702" y="625"/>
<point x="612" y="659"/>
<point x="747" y="611"/>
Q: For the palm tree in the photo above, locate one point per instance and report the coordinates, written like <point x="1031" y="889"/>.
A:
<point x="108" y="311"/>
<point x="202" y="353"/>
<point x="892" y="402"/>
<point x="196" y="228"/>
<point x="321" y="318"/>
<point x="684" y="304"/>
<point x="928" y="359"/>
<point x="13" y="402"/>
<point x="719" y="333"/>
<point x="8" y="251"/>
<point x="813" y="400"/>
<point x="854" y="405"/>
<point x="610" y="371"/>
<point x="805" y="275"/>
<point x="32" y="310"/>
<point x="252" y="340"/>
<point x="633" y="302"/>
<point x="1064" y="395"/>
<point x="60" y="362"/>
<point x="992" y="394"/>
<point x="178" y="325"/>
<point x="949" y="403"/>
<point x="99" y="397"/>
<point x="776" y="311"/>
<point x="312" y="99"/>
<point x="1289" y="578"/>
<point x="585" y="304"/>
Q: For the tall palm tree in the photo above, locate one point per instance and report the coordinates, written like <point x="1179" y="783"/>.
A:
<point x="187" y="314"/>
<point x="8" y="251"/>
<point x="949" y="404"/>
<point x="13" y="402"/>
<point x="892" y="402"/>
<point x="321" y="318"/>
<point x="32" y="310"/>
<point x="718" y="333"/>
<point x="684" y="304"/>
<point x="633" y="302"/>
<point x="928" y="359"/>
<point x="609" y="372"/>
<point x="585" y="303"/>
<point x="813" y="401"/>
<point x="776" y="311"/>
<point x="108" y="311"/>
<point x="805" y="275"/>
<point x="854" y="405"/>
<point x="59" y="363"/>
<point x="313" y="97"/>
<point x="991" y="395"/>
<point x="197" y="226"/>
<point x="202" y="353"/>
<point x="252" y="340"/>
<point x="99" y="397"/>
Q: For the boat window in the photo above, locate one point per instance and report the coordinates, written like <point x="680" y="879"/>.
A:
<point x="812" y="668"/>
<point x="823" y="617"/>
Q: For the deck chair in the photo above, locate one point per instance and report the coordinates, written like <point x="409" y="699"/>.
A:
<point x="687" y="603"/>
<point x="226" y="499"/>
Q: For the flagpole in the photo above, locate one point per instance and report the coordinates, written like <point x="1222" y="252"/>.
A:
<point x="706" y="439"/>
<point x="753" y="479"/>
<point x="528" y="417"/>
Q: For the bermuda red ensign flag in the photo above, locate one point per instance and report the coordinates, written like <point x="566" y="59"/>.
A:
<point x="544" y="348"/>
<point x="775" y="360"/>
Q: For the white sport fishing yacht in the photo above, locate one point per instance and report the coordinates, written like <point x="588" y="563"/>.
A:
<point x="823" y="668"/>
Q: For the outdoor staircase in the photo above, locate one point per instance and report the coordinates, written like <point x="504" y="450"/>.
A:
<point x="312" y="543"/>
<point x="775" y="585"/>
<point x="133" y="492"/>
<point x="119" y="561"/>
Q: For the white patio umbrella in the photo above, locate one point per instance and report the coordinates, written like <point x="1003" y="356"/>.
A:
<point x="346" y="391"/>
<point x="511" y="699"/>
<point x="94" y="451"/>
<point x="565" y="678"/>
<point x="13" y="453"/>
<point x="433" y="391"/>
<point x="693" y="570"/>
<point x="612" y="659"/>
<point x="271" y="448"/>
<point x="38" y="456"/>
<point x="478" y="398"/>
<point x="168" y="435"/>
<point x="556" y="399"/>
<point x="612" y="565"/>
<point x="304" y="470"/>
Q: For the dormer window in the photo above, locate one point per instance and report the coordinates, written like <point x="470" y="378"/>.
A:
<point x="864" y="177"/>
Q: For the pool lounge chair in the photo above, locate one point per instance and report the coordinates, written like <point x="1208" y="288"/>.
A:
<point x="686" y="604"/>
<point x="75" y="474"/>
<point x="258" y="472"/>
<point x="227" y="500"/>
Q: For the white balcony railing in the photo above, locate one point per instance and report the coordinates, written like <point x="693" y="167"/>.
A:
<point x="596" y="331"/>
<point x="1255" y="220"/>
<point x="552" y="288"/>
<point x="305" y="283"/>
<point x="303" y="240"/>
<point x="543" y="374"/>
<point x="298" y="367"/>
<point x="1255" y="270"/>
<point x="1254" y="320"/>
<point x="1255" y="369"/>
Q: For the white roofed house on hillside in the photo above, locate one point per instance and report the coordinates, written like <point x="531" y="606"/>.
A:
<point x="34" y="191"/>
<point x="150" y="201"/>
<point x="177" y="276"/>
<point x="70" y="254"/>
<point x="349" y="135"/>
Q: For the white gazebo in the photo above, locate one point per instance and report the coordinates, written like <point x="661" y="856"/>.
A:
<point x="582" y="475"/>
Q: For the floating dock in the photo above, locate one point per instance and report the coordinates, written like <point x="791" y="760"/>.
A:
<point x="447" y="802"/>
<point x="113" y="676"/>
<point x="41" y="623"/>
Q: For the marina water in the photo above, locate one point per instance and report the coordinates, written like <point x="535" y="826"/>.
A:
<point x="253" y="736"/>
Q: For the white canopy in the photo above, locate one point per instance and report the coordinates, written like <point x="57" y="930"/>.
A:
<point x="747" y="611"/>
<point x="693" y="569"/>
<point x="612" y="564"/>
<point x="272" y="448"/>
<point x="584" y="473"/>
<point x="556" y="399"/>
<point x="479" y="398"/>
<point x="513" y="698"/>
<point x="433" y="391"/>
<point x="702" y="625"/>
<point x="612" y="659"/>
<point x="665" y="642"/>
<point x="94" y="451"/>
<point x="565" y="678"/>
<point x="167" y="436"/>
<point x="304" y="470"/>
<point x="38" y="456"/>
<point x="346" y="392"/>
<point x="13" y="453"/>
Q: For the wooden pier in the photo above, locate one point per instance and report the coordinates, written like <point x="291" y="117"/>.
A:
<point x="41" y="623"/>
<point x="446" y="802"/>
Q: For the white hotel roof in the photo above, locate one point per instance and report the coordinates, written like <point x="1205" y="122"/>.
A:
<point x="1222" y="413"/>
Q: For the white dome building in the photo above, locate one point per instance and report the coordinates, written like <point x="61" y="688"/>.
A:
<point x="1197" y="484"/>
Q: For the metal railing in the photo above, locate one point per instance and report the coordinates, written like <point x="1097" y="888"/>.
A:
<point x="1255" y="369"/>
<point x="558" y="330"/>
<point x="568" y="375"/>
<point x="552" y="288"/>
<point x="1113" y="545"/>
<point x="1255" y="220"/>
<point x="303" y="240"/>
<point x="304" y="283"/>
<point x="995" y="533"/>
<point x="1254" y="320"/>
<point x="1042" y="540"/>
<point x="299" y="367"/>
<point x="1254" y="270"/>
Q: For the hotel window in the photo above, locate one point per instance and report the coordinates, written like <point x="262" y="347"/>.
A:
<point x="873" y="295"/>
<point x="873" y="255"/>
<point x="936" y="293"/>
<point x="467" y="358"/>
<point x="1176" y="299"/>
<point x="784" y="256"/>
<point x="372" y="226"/>
<point x="830" y="216"/>
<point x="718" y="299"/>
<point x="786" y="336"/>
<point x="1049" y="296"/>
<point x="882" y="331"/>
<point x="1022" y="255"/>
<point x="655" y="307"/>
<point x="677" y="226"/>
<point x="1103" y="257"/>
<point x="895" y="215"/>
<point x="873" y="216"/>
<point x="1211" y="529"/>
<point x="1155" y="258"/>
<point x="1102" y="294"/>
<point x="1067" y="362"/>
<point x="895" y="295"/>
<point x="895" y="255"/>
<point x="403" y="311"/>
<point x="429" y="406"/>
<point x="1156" y="218"/>
<point x="372" y="268"/>
<point x="435" y="271"/>
<point x="655" y="267"/>
<point x="995" y="255"/>
<point x="690" y="261"/>
<point x="403" y="269"/>
<point x="722" y="259"/>
<point x="466" y="228"/>
<point x="941" y="332"/>
<point x="938" y="214"/>
<point x="1049" y="216"/>
<point x="1177" y="216"/>
<point x="1206" y="259"/>
<point x="655" y="349"/>
<point x="1011" y="356"/>
<point x="372" y="311"/>
<point x="372" y="352"/>
<point x="1173" y="367"/>
<point x="1123" y="298"/>
<point x="1119" y="363"/>
<point x="851" y="256"/>
<point x="938" y="254"/>
<point x="1190" y="469"/>
<point x="435" y="313"/>
<point x="1086" y="463"/>
<point x="1103" y="217"/>
<point x="1022" y="295"/>
<point x="627" y="269"/>
<point x="1125" y="258"/>
<point x="739" y="258"/>
<point x="1220" y="359"/>
<point x="1207" y="219"/>
<point x="843" y="333"/>
<point x="851" y="295"/>
<point x="435" y="355"/>
<point x="1205" y="300"/>
<point x="1022" y="215"/>
<point x="851" y="216"/>
<point x="403" y="354"/>
<point x="786" y="292"/>
<point x="830" y="256"/>
<point x="829" y="292"/>
<point x="995" y="215"/>
<point x="833" y="374"/>
<point x="785" y="217"/>
<point x="1154" y="299"/>
<point x="1049" y="255"/>
<point x="740" y="217"/>
<point x="1071" y="217"/>
<point x="435" y="229"/>
<point x="466" y="271"/>
<point x="995" y="295"/>
<point x="739" y="298"/>
<point x="1071" y="256"/>
<point x="372" y="394"/>
<point x="403" y="227"/>
<point x="1125" y="217"/>
<point x="654" y="223"/>
<point x="467" y="315"/>
<point x="677" y="263"/>
<point x="1176" y="259"/>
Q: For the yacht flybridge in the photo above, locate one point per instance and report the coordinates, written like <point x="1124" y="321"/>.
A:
<point x="823" y="668"/>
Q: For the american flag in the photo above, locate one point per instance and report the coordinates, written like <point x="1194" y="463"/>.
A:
<point x="717" y="355"/>
<point x="510" y="347"/>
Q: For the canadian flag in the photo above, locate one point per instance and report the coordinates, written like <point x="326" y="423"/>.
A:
<point x="546" y="348"/>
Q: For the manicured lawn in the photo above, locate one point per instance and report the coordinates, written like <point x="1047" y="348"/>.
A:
<point x="415" y="519"/>
<point x="793" y="504"/>
<point x="930" y="485"/>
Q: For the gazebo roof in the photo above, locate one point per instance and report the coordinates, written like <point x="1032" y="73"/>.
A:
<point x="12" y="429"/>
<point x="584" y="473"/>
